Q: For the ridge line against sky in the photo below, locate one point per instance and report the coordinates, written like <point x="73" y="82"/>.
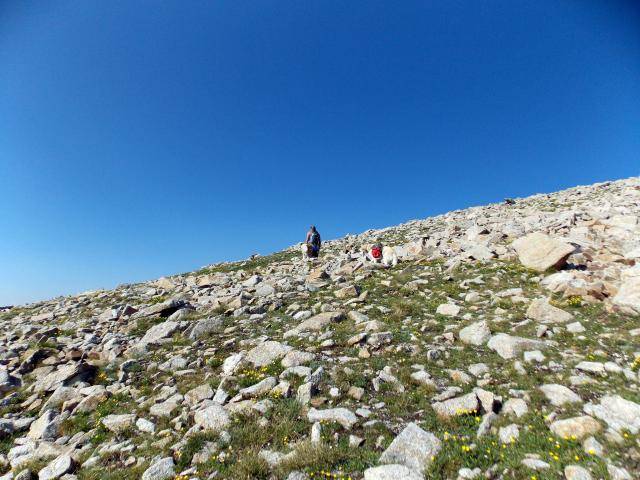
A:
<point x="139" y="138"/>
<point x="525" y="197"/>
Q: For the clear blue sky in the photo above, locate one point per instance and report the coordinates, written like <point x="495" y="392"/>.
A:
<point x="143" y="138"/>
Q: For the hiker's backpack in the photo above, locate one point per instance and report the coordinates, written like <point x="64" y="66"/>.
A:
<point x="315" y="239"/>
<point x="376" y="252"/>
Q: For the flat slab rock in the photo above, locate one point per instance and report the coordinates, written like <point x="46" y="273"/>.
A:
<point x="413" y="448"/>
<point x="448" y="309"/>
<point x="197" y="394"/>
<point x="296" y="358"/>
<point x="540" y="252"/>
<point x="315" y="323"/>
<point x="64" y="376"/>
<point x="118" y="423"/>
<point x="157" y="333"/>
<point x="558" y="395"/>
<point x="508" y="346"/>
<point x="261" y="388"/>
<point x="457" y="406"/>
<point x="542" y="311"/>
<point x="343" y="416"/>
<point x="267" y="353"/>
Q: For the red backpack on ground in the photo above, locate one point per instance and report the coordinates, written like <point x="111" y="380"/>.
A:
<point x="376" y="252"/>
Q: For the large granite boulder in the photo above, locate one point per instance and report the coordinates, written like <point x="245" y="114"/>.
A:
<point x="540" y="252"/>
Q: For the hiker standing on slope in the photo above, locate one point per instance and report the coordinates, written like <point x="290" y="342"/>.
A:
<point x="313" y="242"/>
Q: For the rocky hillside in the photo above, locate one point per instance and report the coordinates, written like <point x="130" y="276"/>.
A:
<point x="504" y="345"/>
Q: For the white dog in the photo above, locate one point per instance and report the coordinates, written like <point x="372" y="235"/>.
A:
<point x="389" y="256"/>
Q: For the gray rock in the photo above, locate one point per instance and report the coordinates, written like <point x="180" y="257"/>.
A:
<point x="296" y="358"/>
<point x="343" y="416"/>
<point x="232" y="363"/>
<point x="478" y="369"/>
<point x="315" y="323"/>
<point x="213" y="418"/>
<point x="413" y="448"/>
<point x="174" y="363"/>
<point x="509" y="434"/>
<point x="159" y="332"/>
<point x="23" y="475"/>
<point x="534" y="356"/>
<point x="119" y="423"/>
<point x="485" y="425"/>
<point x="165" y="309"/>
<point x="593" y="447"/>
<point x="618" y="473"/>
<point x="8" y="382"/>
<point x="576" y="472"/>
<point x="145" y="425"/>
<point x="463" y="405"/>
<point x="509" y="347"/>
<point x="379" y="338"/>
<point x="252" y="281"/>
<point x="261" y="388"/>
<point x="196" y="395"/>
<point x="64" y="376"/>
<point x="46" y="427"/>
<point x="267" y="353"/>
<point x="166" y="408"/>
<point x="591" y="367"/>
<point x="56" y="469"/>
<point x="515" y="406"/>
<point x="271" y="457"/>
<point x="180" y="314"/>
<point x="60" y="396"/>
<point x="162" y="469"/>
<point x="264" y="290"/>
<point x="477" y="333"/>
<point x="448" y="309"/>
<point x="298" y="476"/>
<point x="575" y="327"/>
<point x="617" y="412"/>
<point x="7" y="427"/>
<point x="391" y="472"/>
<point x="423" y="378"/>
<point x="205" y="327"/>
<point x="559" y="395"/>
<point x="488" y="401"/>
<point x="347" y="292"/>
<point x="304" y="393"/>
<point x="535" y="464"/>
<point x="358" y="317"/>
